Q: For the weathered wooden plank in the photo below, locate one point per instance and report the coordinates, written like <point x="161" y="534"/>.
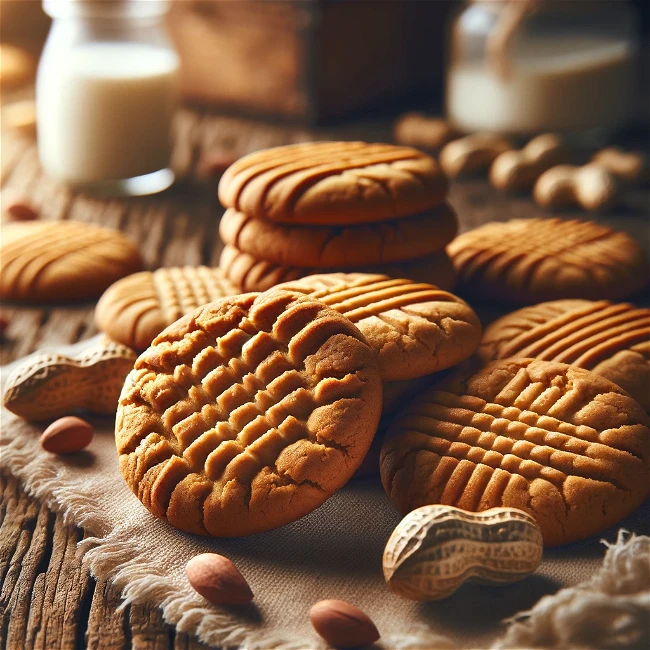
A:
<point x="108" y="628"/>
<point x="184" y="641"/>
<point x="149" y="630"/>
<point x="55" y="619"/>
<point x="32" y="565"/>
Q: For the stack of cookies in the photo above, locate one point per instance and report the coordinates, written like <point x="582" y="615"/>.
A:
<point x="335" y="206"/>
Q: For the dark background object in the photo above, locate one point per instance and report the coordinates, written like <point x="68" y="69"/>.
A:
<point x="643" y="7"/>
<point x="309" y="61"/>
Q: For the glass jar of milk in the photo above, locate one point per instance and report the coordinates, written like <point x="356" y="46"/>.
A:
<point x="106" y="92"/>
<point x="529" y="66"/>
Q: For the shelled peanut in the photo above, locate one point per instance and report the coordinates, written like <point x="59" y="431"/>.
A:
<point x="423" y="131"/>
<point x="17" y="207"/>
<point x="590" y="187"/>
<point x="472" y="154"/>
<point x="67" y="435"/>
<point x="517" y="170"/>
<point x="342" y="625"/>
<point x="218" y="580"/>
<point x="629" y="167"/>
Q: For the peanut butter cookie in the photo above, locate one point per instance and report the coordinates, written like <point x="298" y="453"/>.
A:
<point x="333" y="247"/>
<point x="49" y="261"/>
<point x="248" y="413"/>
<point x="527" y="261"/>
<point x="562" y="443"/>
<point x="16" y="66"/>
<point x="414" y="328"/>
<point x="251" y="274"/>
<point x="610" y="339"/>
<point x="333" y="183"/>
<point x="137" y="308"/>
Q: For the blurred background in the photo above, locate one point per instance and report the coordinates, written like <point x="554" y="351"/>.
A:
<point x="316" y="61"/>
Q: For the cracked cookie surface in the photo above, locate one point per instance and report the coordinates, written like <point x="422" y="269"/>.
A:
<point x="525" y="261"/>
<point x="137" y="308"/>
<point x="333" y="183"/>
<point x="610" y="339"/>
<point x="333" y="247"/>
<point x="251" y="274"/>
<point x="248" y="413"/>
<point x="566" y="445"/>
<point x="415" y="328"/>
<point x="46" y="261"/>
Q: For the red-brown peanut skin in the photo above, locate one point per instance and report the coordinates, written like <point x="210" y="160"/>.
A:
<point x="20" y="211"/>
<point x="342" y="625"/>
<point x="218" y="580"/>
<point x="67" y="435"/>
<point x="17" y="206"/>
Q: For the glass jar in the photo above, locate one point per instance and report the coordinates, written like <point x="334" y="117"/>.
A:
<point x="106" y="92"/>
<point x="529" y="66"/>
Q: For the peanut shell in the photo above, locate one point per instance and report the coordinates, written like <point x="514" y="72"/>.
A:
<point x="50" y="385"/>
<point x="435" y="549"/>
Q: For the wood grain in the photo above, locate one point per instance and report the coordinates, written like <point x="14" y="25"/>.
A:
<point x="47" y="600"/>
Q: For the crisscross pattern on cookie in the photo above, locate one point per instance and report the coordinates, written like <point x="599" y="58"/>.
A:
<point x="136" y="309"/>
<point x="530" y="260"/>
<point x="333" y="182"/>
<point x="415" y="328"/>
<point x="563" y="444"/>
<point x="248" y="414"/>
<point x="612" y="339"/>
<point x="581" y="333"/>
<point x="62" y="259"/>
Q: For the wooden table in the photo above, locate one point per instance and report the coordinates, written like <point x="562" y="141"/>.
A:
<point x="46" y="599"/>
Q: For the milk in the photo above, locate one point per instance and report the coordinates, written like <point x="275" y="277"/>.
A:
<point x="104" y="110"/>
<point x="556" y="83"/>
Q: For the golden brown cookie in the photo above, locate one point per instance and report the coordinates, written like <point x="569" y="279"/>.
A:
<point x="248" y="413"/>
<point x="414" y="328"/>
<point x="333" y="247"/>
<point x="532" y="260"/>
<point x="333" y="183"/>
<point x="137" y="308"/>
<point x="250" y="274"/>
<point x="16" y="66"/>
<point x="562" y="443"/>
<point x="49" y="261"/>
<point x="610" y="339"/>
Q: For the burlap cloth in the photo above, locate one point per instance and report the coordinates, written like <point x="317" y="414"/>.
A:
<point x="335" y="552"/>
